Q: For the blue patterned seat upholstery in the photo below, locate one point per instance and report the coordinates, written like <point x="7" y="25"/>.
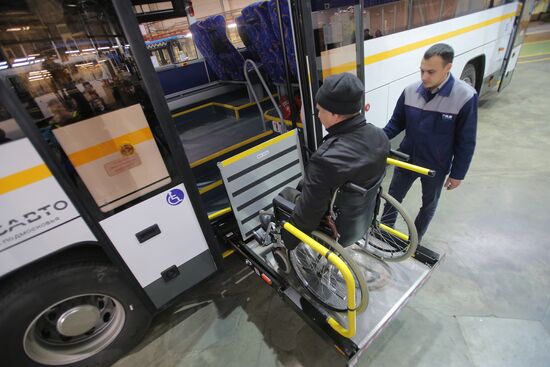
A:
<point x="210" y="37"/>
<point x="261" y="33"/>
<point x="287" y="31"/>
<point x="246" y="34"/>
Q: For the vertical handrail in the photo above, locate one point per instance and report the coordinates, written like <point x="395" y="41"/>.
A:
<point x="253" y="64"/>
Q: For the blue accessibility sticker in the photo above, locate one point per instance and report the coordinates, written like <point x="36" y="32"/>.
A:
<point x="174" y="197"/>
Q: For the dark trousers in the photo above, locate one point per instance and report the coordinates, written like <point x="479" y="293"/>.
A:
<point x="401" y="182"/>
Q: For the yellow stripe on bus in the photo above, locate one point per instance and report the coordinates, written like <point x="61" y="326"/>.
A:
<point x="24" y="178"/>
<point x="349" y="66"/>
<point x="109" y="147"/>
<point x="257" y="148"/>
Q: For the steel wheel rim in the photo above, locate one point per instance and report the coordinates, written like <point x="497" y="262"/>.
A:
<point x="45" y="342"/>
<point x="328" y="286"/>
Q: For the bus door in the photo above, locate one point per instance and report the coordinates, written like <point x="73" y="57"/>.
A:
<point x="325" y="42"/>
<point x="79" y="80"/>
<point x="521" y="22"/>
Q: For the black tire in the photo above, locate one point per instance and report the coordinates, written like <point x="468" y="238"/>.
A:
<point x="381" y="243"/>
<point x="469" y="75"/>
<point x="31" y="324"/>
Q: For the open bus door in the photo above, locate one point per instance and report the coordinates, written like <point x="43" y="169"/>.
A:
<point x="521" y="22"/>
<point x="101" y="223"/>
<point x="254" y="177"/>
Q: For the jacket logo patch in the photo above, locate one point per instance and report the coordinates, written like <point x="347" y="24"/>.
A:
<point x="447" y="117"/>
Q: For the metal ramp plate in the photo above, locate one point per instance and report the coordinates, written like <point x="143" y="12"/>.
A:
<point x="254" y="177"/>
<point x="391" y="285"/>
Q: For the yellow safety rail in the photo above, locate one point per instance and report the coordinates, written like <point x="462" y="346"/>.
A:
<point x="348" y="277"/>
<point x="219" y="213"/>
<point x="235" y="109"/>
<point x="392" y="231"/>
<point x="268" y="117"/>
<point x="411" y="167"/>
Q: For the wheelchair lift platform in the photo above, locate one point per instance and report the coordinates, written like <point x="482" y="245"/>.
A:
<point x="252" y="179"/>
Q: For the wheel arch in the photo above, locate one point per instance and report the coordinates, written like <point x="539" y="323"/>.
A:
<point x="79" y="251"/>
<point x="479" y="64"/>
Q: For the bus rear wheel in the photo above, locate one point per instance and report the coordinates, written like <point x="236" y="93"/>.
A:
<point x="469" y="75"/>
<point x="79" y="314"/>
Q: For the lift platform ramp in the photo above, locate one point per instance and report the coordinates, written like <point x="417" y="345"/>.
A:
<point x="252" y="179"/>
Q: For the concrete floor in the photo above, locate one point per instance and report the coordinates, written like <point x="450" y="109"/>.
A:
<point x="487" y="305"/>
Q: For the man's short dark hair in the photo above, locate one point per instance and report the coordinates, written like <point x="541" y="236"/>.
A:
<point x="442" y="50"/>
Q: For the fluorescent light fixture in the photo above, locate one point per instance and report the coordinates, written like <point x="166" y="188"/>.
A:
<point x="232" y="25"/>
<point x="103" y="48"/>
<point x="88" y="49"/>
<point x="3" y="67"/>
<point x="34" y="55"/>
<point x="19" y="64"/>
<point x="24" y="59"/>
<point x="17" y="29"/>
<point x="72" y="51"/>
<point x="126" y="46"/>
<point x="114" y="46"/>
<point x="3" y="63"/>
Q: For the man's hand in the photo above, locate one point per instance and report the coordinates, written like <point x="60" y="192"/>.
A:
<point x="452" y="183"/>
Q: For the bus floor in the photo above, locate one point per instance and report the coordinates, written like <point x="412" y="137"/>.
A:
<point x="214" y="129"/>
<point x="487" y="305"/>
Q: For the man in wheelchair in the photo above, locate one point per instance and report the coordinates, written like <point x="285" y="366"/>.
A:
<point x="354" y="151"/>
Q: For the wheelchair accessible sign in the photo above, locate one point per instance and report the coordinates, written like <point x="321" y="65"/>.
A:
<point x="175" y="197"/>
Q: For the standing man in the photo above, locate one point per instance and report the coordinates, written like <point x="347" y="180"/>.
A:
<point x="353" y="151"/>
<point x="439" y="116"/>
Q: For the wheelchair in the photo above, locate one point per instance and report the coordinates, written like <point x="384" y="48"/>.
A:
<point x="321" y="264"/>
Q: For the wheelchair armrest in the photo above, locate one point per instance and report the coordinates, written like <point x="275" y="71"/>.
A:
<point x="282" y="208"/>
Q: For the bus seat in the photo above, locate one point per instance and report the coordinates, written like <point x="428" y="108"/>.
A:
<point x="246" y="34"/>
<point x="210" y="37"/>
<point x="287" y="31"/>
<point x="257" y="17"/>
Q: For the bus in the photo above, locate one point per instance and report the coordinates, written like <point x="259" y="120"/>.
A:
<point x="115" y="116"/>
<point x="486" y="36"/>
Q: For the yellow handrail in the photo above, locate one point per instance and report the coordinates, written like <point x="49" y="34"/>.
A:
<point x="348" y="277"/>
<point x="411" y="167"/>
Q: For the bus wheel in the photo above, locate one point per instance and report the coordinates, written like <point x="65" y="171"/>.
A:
<point x="79" y="314"/>
<point x="469" y="75"/>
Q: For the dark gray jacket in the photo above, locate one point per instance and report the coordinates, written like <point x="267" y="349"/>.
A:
<point x="353" y="151"/>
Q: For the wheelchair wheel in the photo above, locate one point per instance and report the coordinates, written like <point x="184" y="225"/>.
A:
<point x="323" y="280"/>
<point x="393" y="235"/>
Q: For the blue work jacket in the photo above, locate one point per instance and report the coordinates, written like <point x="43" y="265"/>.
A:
<point x="440" y="129"/>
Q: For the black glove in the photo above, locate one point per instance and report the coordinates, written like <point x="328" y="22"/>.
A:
<point x="289" y="240"/>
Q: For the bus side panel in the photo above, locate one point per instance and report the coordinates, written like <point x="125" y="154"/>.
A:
<point x="396" y="56"/>
<point x="37" y="217"/>
<point x="162" y="243"/>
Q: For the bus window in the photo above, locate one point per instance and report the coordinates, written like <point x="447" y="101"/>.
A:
<point x="385" y="19"/>
<point x="333" y="28"/>
<point x="426" y="12"/>
<point x="74" y="71"/>
<point x="9" y="130"/>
